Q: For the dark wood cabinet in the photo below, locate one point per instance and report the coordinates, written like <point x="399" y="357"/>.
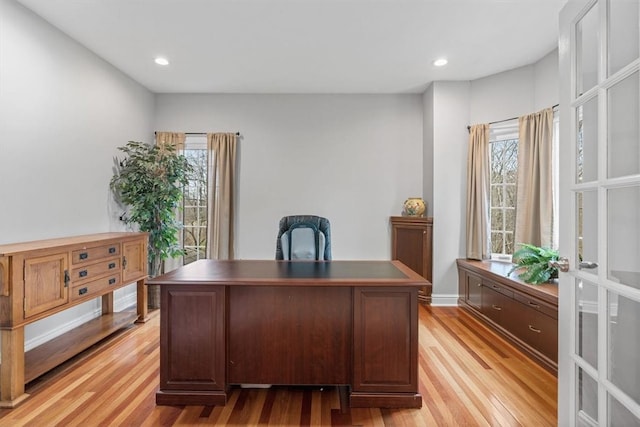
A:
<point x="526" y="315"/>
<point x="353" y="324"/>
<point x="411" y="244"/>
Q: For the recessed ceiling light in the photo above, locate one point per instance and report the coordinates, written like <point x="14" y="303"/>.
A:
<point x="161" y="61"/>
<point x="440" y="62"/>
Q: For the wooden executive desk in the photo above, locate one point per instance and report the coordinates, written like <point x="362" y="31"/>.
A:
<point x="345" y="323"/>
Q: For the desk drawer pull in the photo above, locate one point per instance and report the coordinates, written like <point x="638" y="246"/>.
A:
<point x="112" y="265"/>
<point x="83" y="273"/>
<point x="495" y="307"/>
<point x="82" y="291"/>
<point x="537" y="331"/>
<point x="84" y="255"/>
<point x="112" y="250"/>
<point x="112" y="281"/>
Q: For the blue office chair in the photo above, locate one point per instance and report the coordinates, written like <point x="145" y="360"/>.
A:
<point x="304" y="237"/>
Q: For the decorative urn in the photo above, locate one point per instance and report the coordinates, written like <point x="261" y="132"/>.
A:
<point x="414" y="206"/>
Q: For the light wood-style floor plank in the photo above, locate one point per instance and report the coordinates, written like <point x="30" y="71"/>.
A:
<point x="468" y="376"/>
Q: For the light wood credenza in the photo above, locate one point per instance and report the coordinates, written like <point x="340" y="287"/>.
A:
<point x="42" y="278"/>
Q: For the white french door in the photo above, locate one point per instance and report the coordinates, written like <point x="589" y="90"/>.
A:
<point x="599" y="319"/>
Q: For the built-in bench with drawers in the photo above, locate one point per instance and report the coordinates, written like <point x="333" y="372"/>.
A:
<point x="42" y="278"/>
<point x="524" y="314"/>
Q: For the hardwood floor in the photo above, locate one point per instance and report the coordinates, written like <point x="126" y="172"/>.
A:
<point x="468" y="377"/>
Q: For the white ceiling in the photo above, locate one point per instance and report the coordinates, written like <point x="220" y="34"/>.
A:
<point x="307" y="46"/>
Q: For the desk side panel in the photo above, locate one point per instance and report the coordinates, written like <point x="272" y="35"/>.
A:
<point x="192" y="338"/>
<point x="385" y="340"/>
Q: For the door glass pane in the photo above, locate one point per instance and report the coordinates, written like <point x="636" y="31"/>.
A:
<point x="587" y="228"/>
<point x="587" y="397"/>
<point x="624" y="235"/>
<point x="624" y="344"/>
<point x="619" y="416"/>
<point x="587" y="318"/>
<point x="587" y="51"/>
<point x="623" y="34"/>
<point x="624" y="111"/>
<point x="587" y="142"/>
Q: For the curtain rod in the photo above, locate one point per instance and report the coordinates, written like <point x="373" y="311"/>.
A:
<point x="506" y="120"/>
<point x="197" y="133"/>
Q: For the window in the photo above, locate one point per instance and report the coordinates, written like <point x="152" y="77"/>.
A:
<point x="194" y="201"/>
<point x="503" y="138"/>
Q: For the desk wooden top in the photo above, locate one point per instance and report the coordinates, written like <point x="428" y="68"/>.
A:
<point x="293" y="273"/>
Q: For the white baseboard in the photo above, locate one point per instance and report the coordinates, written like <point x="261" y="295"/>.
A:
<point x="120" y="302"/>
<point x="444" y="300"/>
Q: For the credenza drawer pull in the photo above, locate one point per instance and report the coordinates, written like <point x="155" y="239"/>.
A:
<point x="112" y="250"/>
<point x="112" y="281"/>
<point x="84" y="255"/>
<point x="112" y="265"/>
<point x="495" y="307"/>
<point x="83" y="273"/>
<point x="82" y="291"/>
<point x="534" y="305"/>
<point x="534" y="329"/>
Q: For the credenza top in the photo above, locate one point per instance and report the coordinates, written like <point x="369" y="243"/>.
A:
<point x="498" y="271"/>
<point x="14" y="248"/>
<point x="269" y="272"/>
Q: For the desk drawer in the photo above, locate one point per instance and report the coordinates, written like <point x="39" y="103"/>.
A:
<point x="91" y="271"/>
<point x="96" y="253"/>
<point x="95" y="287"/>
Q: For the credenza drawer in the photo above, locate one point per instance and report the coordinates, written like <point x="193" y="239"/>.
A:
<point x="498" y="288"/>
<point x="537" y="305"/>
<point x="95" y="287"/>
<point x="95" y="253"/>
<point x="91" y="271"/>
<point x="538" y="330"/>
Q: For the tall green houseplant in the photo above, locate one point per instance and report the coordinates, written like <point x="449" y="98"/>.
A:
<point x="149" y="181"/>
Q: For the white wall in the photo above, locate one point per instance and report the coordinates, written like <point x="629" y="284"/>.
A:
<point x="63" y="112"/>
<point x="351" y="158"/>
<point x="453" y="106"/>
<point x="428" y="149"/>
<point x="515" y="92"/>
<point x="450" y="120"/>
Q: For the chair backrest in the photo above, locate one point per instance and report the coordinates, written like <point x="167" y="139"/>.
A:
<point x="304" y="237"/>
